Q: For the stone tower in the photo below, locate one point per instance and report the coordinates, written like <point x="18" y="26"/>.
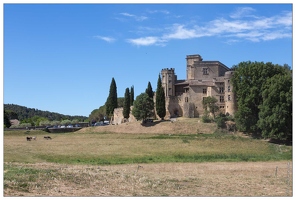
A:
<point x="191" y="59"/>
<point x="230" y="101"/>
<point x="168" y="81"/>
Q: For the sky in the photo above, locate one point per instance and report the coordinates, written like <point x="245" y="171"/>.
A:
<point x="62" y="57"/>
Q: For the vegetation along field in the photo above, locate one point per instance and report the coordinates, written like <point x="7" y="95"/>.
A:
<point x="104" y="161"/>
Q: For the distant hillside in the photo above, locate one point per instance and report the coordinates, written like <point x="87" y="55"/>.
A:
<point x="25" y="113"/>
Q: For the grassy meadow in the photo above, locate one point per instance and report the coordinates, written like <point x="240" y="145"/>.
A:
<point x="94" y="163"/>
<point x="119" y="148"/>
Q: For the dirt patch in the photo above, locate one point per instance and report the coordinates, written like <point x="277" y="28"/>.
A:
<point x="164" y="179"/>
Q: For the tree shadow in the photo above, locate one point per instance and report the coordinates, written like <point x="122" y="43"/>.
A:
<point x="281" y="142"/>
<point x="149" y="123"/>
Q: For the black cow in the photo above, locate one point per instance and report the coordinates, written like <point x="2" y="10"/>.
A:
<point x="47" y="137"/>
<point x="29" y="138"/>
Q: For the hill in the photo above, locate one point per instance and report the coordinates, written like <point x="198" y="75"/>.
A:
<point x="23" y="113"/>
<point x="180" y="126"/>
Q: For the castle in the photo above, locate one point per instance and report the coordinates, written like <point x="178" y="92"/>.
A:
<point x="184" y="97"/>
<point x="204" y="78"/>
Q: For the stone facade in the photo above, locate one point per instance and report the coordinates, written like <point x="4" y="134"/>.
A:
<point x="184" y="97"/>
<point x="203" y="79"/>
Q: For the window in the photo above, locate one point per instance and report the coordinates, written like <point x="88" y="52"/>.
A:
<point x="170" y="81"/>
<point x="205" y="71"/>
<point x="221" y="106"/>
<point x="204" y="90"/>
<point x="221" y="89"/>
<point x="221" y="98"/>
<point x="186" y="99"/>
<point x="228" y="88"/>
<point x="229" y="98"/>
<point x="228" y="81"/>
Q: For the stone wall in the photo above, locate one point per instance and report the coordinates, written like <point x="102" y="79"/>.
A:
<point x="118" y="117"/>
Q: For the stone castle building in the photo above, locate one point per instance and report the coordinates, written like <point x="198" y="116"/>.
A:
<point x="203" y="79"/>
<point x="184" y="97"/>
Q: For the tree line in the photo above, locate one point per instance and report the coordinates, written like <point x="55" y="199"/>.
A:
<point x="263" y="92"/>
<point x="143" y="105"/>
<point x="34" y="116"/>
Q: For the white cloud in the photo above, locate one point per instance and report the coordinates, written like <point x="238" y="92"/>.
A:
<point x="236" y="29"/>
<point x="242" y="12"/>
<point x="159" y="11"/>
<point x="179" y="32"/>
<point x="137" y="18"/>
<point x="147" y="41"/>
<point x="107" y="39"/>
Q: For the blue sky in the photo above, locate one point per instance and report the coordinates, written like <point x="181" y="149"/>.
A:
<point x="62" y="57"/>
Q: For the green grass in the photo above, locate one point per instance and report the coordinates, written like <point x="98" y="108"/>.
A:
<point x="23" y="178"/>
<point x="110" y="148"/>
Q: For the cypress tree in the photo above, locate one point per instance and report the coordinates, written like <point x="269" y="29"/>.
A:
<point x="149" y="90"/>
<point x="111" y="102"/>
<point x="126" y="104"/>
<point x="132" y="96"/>
<point x="160" y="100"/>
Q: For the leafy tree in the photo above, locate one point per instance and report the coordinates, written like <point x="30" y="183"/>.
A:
<point x="143" y="105"/>
<point x="132" y="95"/>
<point x="209" y="104"/>
<point x="7" y="123"/>
<point x="111" y="102"/>
<point x="149" y="90"/>
<point x="75" y="121"/>
<point x="66" y="122"/>
<point x="126" y="104"/>
<point x="248" y="82"/>
<point x="160" y="99"/>
<point x="275" y="115"/>
<point x="11" y="114"/>
<point x="97" y="114"/>
<point x="21" y="113"/>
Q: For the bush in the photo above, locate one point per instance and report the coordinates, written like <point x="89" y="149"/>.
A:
<point x="206" y="119"/>
<point x="220" y="122"/>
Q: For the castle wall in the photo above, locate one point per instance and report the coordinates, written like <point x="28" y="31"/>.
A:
<point x="118" y="116"/>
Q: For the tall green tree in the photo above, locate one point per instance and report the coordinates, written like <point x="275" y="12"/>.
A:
<point x="248" y="82"/>
<point x="143" y="106"/>
<point x="120" y="102"/>
<point x="275" y="116"/>
<point x="7" y="123"/>
<point x="160" y="100"/>
<point x="126" y="104"/>
<point x="132" y="95"/>
<point x="209" y="104"/>
<point x="149" y="90"/>
<point x="111" y="102"/>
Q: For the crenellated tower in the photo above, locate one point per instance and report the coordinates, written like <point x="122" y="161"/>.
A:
<point x="168" y="81"/>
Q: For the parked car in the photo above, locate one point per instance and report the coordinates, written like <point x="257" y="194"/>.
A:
<point x="63" y="126"/>
<point x="77" y="125"/>
<point x="70" y="126"/>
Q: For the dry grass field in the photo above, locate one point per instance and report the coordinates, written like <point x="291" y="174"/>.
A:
<point x="242" y="179"/>
<point x="183" y="158"/>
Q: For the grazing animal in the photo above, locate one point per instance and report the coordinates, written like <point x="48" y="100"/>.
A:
<point x="34" y="138"/>
<point x="29" y="138"/>
<point x="47" y="137"/>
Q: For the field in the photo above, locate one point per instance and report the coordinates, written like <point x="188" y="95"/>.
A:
<point x="184" y="158"/>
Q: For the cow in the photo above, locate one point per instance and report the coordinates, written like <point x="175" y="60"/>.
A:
<point x="47" y="137"/>
<point x="34" y="138"/>
<point x="29" y="138"/>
